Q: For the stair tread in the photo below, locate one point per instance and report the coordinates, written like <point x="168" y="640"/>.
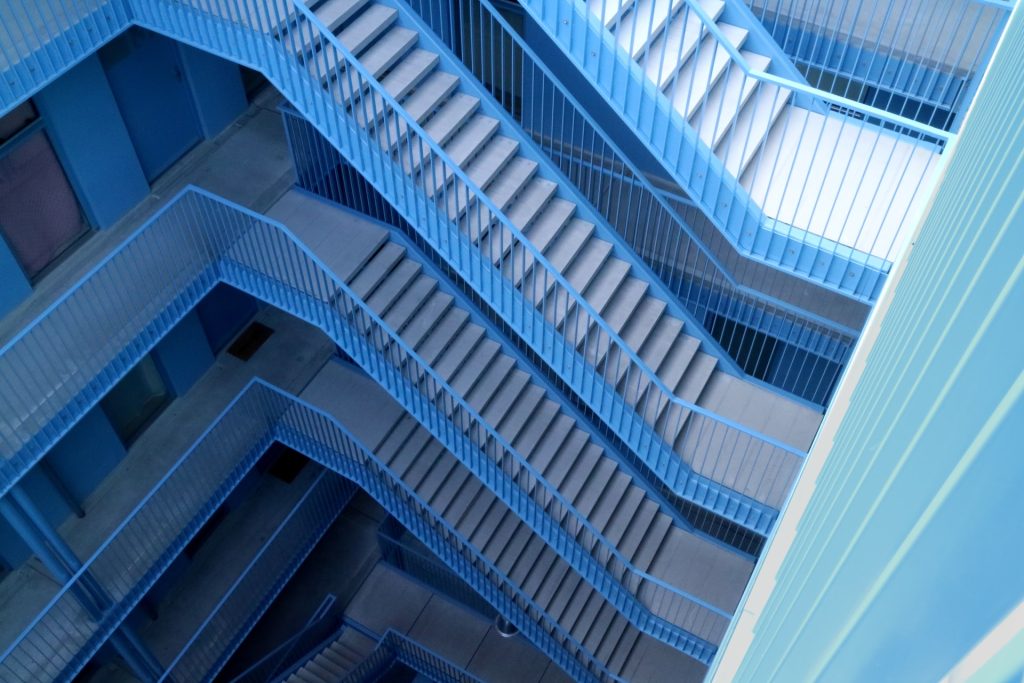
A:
<point x="409" y="301"/>
<point x="471" y="493"/>
<point x="441" y="334"/>
<point x="644" y="24"/>
<point x="468" y="353"/>
<point x="494" y="543"/>
<point x="511" y="389"/>
<point x="515" y="545"/>
<point x="585" y="619"/>
<point x="546" y="568"/>
<point x="715" y="117"/>
<point x="752" y="126"/>
<point x="366" y="279"/>
<point x="481" y="170"/>
<point x="429" y="316"/>
<point x="539" y="420"/>
<point x="623" y="649"/>
<point x="653" y="541"/>
<point x="637" y="527"/>
<point x="393" y="286"/>
<point x="518" y="414"/>
<point x="533" y="199"/>
<point x="552" y="439"/>
<point x="589" y="476"/>
<point x="573" y="451"/>
<point x="701" y="72"/>
<point x="477" y="513"/>
<point x="614" y="525"/>
<point x="429" y="94"/>
<point x="454" y="113"/>
<point x="612" y="632"/>
<point x="365" y="28"/>
<point x="502" y="191"/>
<point x="388" y="50"/>
<point x="488" y="381"/>
<point x="624" y="303"/>
<point x="334" y="13"/>
<point x="597" y="629"/>
<point x="435" y="479"/>
<point x="450" y="487"/>
<point x="526" y="561"/>
<point x="555" y="587"/>
<point x="597" y="501"/>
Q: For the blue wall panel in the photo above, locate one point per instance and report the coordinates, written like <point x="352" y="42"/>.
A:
<point x="184" y="354"/>
<point x="14" y="286"/>
<point x="223" y="312"/>
<point x="87" y="454"/>
<point x="89" y="135"/>
<point x="909" y="550"/>
<point x="148" y="82"/>
<point x="216" y="87"/>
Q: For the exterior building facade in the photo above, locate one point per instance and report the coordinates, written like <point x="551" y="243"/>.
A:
<point x="537" y="341"/>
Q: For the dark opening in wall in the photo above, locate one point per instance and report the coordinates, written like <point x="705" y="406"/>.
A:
<point x="285" y="463"/>
<point x="250" y="340"/>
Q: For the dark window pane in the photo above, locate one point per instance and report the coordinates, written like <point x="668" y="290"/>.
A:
<point x="136" y="400"/>
<point x="39" y="214"/>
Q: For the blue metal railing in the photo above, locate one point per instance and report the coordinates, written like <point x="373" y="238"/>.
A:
<point x="320" y="627"/>
<point x="396" y="648"/>
<point x="802" y="200"/>
<point x="349" y="107"/>
<point x="199" y="240"/>
<point x="41" y="39"/>
<point x="259" y="583"/>
<point x="616" y="188"/>
<point x="921" y="62"/>
<point x="62" y="639"/>
<point x="403" y="554"/>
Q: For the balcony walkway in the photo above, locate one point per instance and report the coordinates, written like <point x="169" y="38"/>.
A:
<point x="289" y="359"/>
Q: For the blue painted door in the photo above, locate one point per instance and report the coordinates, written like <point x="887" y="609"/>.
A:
<point x="145" y="75"/>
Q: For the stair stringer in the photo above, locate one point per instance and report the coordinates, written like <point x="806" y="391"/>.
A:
<point x="567" y="189"/>
<point x="233" y="41"/>
<point x="625" y="88"/>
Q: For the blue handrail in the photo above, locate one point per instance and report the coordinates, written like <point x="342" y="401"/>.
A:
<point x="217" y="241"/>
<point x="653" y="229"/>
<point x="270" y="36"/>
<point x="819" y="239"/>
<point x="396" y="647"/>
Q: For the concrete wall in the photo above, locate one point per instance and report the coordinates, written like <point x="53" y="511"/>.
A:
<point x="901" y="546"/>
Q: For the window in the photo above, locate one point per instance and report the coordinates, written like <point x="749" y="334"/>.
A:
<point x="136" y="400"/>
<point x="39" y="213"/>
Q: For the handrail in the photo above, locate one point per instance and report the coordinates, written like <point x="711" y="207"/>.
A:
<point x="616" y="156"/>
<point x="268" y="666"/>
<point x="295" y="432"/>
<point x="711" y="27"/>
<point x="394" y="646"/>
<point x="535" y="253"/>
<point x="339" y="312"/>
<point x="232" y="473"/>
<point x="282" y="416"/>
<point x="275" y="53"/>
<point x="324" y="500"/>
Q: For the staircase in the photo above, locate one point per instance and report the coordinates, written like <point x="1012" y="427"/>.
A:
<point x="819" y="185"/>
<point x="673" y="364"/>
<point x="336" y="660"/>
<point x="356" y="657"/>
<point x="551" y="439"/>
<point x="485" y="522"/>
